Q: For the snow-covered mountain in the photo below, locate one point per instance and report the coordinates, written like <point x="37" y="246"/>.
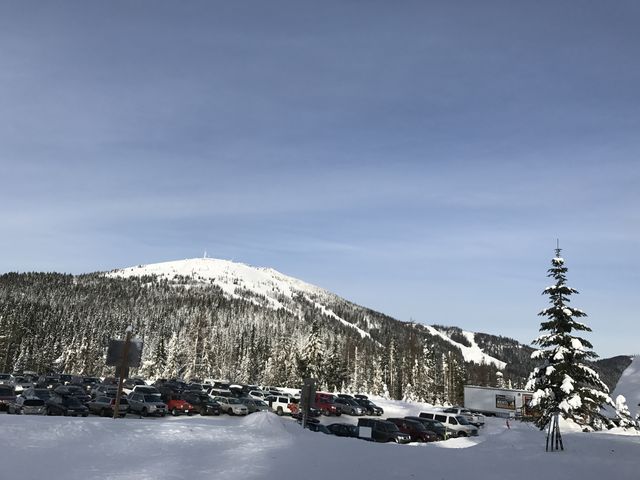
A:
<point x="237" y="279"/>
<point x="629" y="386"/>
<point x="205" y="317"/>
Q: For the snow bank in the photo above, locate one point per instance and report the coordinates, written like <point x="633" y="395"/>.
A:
<point x="264" y="446"/>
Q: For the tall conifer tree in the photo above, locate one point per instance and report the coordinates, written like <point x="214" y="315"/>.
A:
<point x="563" y="383"/>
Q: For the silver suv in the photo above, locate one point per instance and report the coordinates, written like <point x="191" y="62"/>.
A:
<point x="146" y="404"/>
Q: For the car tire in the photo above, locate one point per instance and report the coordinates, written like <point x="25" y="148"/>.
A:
<point x="279" y="411"/>
<point x="462" y="434"/>
<point x="85" y="414"/>
<point x="144" y="412"/>
<point x="103" y="412"/>
<point x="174" y="412"/>
<point x="189" y="414"/>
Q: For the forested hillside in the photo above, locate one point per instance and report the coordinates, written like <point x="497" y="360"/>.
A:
<point x="196" y="329"/>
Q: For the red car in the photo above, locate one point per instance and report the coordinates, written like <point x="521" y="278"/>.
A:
<point x="177" y="406"/>
<point x="325" y="402"/>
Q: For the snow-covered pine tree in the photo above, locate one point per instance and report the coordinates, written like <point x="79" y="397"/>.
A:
<point x="625" y="420"/>
<point x="563" y="383"/>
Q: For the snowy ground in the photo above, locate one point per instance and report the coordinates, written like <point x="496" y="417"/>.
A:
<point x="265" y="446"/>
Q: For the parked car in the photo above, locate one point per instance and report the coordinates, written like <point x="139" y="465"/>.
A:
<point x="146" y="404"/>
<point x="258" y="394"/>
<point x="202" y="403"/>
<point x="104" y="391"/>
<point x="232" y="406"/>
<point x="21" y="384"/>
<point x="7" y="396"/>
<point x="318" y="427"/>
<point x="435" y="426"/>
<point x="369" y="407"/>
<point x="27" y="406"/>
<point x="194" y="387"/>
<point x="344" y="395"/>
<point x="6" y="379"/>
<point x="74" y="391"/>
<point x="381" y="431"/>
<point x="219" y="392"/>
<point x="297" y="413"/>
<point x="178" y="406"/>
<point x="129" y="384"/>
<point x="475" y="419"/>
<point x="145" y="390"/>
<point x="457" y="423"/>
<point x="343" y="430"/>
<point x="66" y="405"/>
<point x="41" y="393"/>
<point x="254" y="405"/>
<point x="48" y="381"/>
<point x="348" y="406"/>
<point x="104" y="406"/>
<point x="89" y="383"/>
<point x="282" y="404"/>
<point x="416" y="430"/>
<point x="325" y="402"/>
<point x="65" y="378"/>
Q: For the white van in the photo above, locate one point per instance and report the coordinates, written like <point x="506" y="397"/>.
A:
<point x="456" y="423"/>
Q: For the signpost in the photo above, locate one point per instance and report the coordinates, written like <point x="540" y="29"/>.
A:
<point x="307" y="398"/>
<point x="123" y="354"/>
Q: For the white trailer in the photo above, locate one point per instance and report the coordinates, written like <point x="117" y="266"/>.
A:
<point x="501" y="402"/>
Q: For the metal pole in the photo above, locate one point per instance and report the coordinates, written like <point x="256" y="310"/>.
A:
<point x="123" y="367"/>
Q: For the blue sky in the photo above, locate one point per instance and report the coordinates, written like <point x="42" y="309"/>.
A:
<point x="418" y="158"/>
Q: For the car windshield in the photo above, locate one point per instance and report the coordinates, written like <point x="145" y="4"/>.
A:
<point x="43" y="393"/>
<point x="462" y="420"/>
<point x="417" y="426"/>
<point x="152" y="398"/>
<point x="4" y="376"/>
<point x="259" y="403"/>
<point x="71" y="402"/>
<point x="6" y="390"/>
<point x="33" y="402"/>
<point x="146" y="389"/>
<point x="233" y="401"/>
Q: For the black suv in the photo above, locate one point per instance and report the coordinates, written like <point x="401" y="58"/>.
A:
<point x="381" y="431"/>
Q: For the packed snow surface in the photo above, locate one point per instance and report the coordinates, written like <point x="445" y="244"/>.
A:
<point x="233" y="278"/>
<point x="265" y="446"/>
